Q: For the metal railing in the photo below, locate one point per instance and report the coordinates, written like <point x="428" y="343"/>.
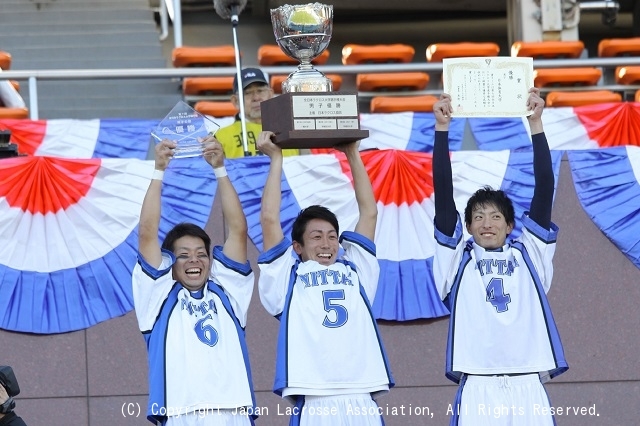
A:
<point x="34" y="76"/>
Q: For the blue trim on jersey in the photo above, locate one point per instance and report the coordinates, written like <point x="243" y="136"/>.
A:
<point x="151" y="271"/>
<point x="450" y="302"/>
<point x="274" y="252"/>
<point x="552" y="330"/>
<point x="348" y="263"/>
<point x="241" y="268"/>
<point x="449" y="241"/>
<point x="156" y="346"/>
<point x="281" y="380"/>
<point x="548" y="236"/>
<point x="457" y="401"/>
<point x="360" y="240"/>
<point x="392" y="382"/>
<point x="219" y="291"/>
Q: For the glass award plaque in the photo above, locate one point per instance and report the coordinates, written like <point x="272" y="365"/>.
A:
<point x="187" y="128"/>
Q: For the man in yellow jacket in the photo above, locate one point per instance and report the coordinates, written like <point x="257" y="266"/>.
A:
<point x="256" y="89"/>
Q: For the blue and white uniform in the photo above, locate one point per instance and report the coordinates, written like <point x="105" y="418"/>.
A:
<point x="503" y="341"/>
<point x="198" y="360"/>
<point x="501" y="325"/>
<point x="501" y="322"/>
<point x="328" y="343"/>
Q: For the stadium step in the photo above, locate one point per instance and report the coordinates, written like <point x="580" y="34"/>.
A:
<point x="89" y="34"/>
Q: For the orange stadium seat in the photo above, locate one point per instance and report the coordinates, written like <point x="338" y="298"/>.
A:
<point x="610" y="47"/>
<point x="386" y="104"/>
<point x="276" y="82"/>
<point x="207" y="85"/>
<point x="355" y="54"/>
<point x="439" y="51"/>
<point x="14" y="112"/>
<point x="392" y="81"/>
<point x="272" y="55"/>
<point x="548" y="49"/>
<point x="566" y="77"/>
<point x="573" y="99"/>
<point x="5" y="60"/>
<point x="568" y="49"/>
<point x="214" y="56"/>
<point x="638" y="96"/>
<point x="628" y="75"/>
<point x="216" y="109"/>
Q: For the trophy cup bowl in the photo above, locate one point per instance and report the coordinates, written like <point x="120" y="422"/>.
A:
<point x="308" y="114"/>
<point x="303" y="32"/>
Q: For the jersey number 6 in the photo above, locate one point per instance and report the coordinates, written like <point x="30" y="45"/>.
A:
<point x="205" y="332"/>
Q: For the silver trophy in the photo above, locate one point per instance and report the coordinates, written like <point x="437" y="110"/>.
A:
<point x="303" y="32"/>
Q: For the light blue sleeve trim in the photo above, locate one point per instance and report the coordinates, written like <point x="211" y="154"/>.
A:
<point x="359" y="239"/>
<point x="549" y="236"/>
<point x="274" y="252"/>
<point x="241" y="268"/>
<point x="152" y="271"/>
<point x="449" y="241"/>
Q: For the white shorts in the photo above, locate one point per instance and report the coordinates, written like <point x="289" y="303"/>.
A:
<point x="345" y="410"/>
<point x="210" y="418"/>
<point x="503" y="401"/>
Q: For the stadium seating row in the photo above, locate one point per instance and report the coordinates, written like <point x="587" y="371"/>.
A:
<point x="353" y="54"/>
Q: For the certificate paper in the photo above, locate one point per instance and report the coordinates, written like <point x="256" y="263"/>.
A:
<point x="488" y="86"/>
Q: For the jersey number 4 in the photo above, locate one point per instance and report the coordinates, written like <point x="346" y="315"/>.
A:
<point x="340" y="312"/>
<point x="205" y="332"/>
<point x="496" y="296"/>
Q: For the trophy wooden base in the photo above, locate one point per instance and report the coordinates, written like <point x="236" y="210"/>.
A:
<point x="318" y="138"/>
<point x="300" y="119"/>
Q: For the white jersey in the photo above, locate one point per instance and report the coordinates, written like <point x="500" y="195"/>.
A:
<point x="501" y="322"/>
<point x="329" y="342"/>
<point x="198" y="356"/>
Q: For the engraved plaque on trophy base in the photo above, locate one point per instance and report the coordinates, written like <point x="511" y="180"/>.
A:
<point x="313" y="119"/>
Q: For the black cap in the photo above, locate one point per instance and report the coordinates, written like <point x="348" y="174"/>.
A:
<point x="250" y="75"/>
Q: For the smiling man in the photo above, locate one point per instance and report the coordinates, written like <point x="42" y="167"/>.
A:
<point x="192" y="311"/>
<point x="503" y="341"/>
<point x="330" y="358"/>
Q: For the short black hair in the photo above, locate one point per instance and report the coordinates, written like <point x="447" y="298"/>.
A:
<point x="308" y="214"/>
<point x="497" y="198"/>
<point x="186" y="229"/>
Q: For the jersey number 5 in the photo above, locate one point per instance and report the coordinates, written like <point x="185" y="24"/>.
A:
<point x="341" y="314"/>
<point x="496" y="296"/>
<point x="205" y="332"/>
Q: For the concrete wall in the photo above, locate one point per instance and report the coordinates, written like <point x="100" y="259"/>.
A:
<point x="98" y="376"/>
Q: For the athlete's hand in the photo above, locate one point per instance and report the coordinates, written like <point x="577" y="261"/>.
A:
<point x="442" y="111"/>
<point x="213" y="152"/>
<point x="164" y="153"/>
<point x="536" y="104"/>
<point x="266" y="146"/>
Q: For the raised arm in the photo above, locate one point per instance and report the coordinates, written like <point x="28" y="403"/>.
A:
<point x="235" y="247"/>
<point x="367" y="207"/>
<point x="148" y="244"/>
<point x="271" y="197"/>
<point x="542" y="201"/>
<point x="446" y="214"/>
